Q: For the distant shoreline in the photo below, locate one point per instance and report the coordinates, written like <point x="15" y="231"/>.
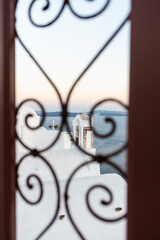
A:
<point x="103" y="113"/>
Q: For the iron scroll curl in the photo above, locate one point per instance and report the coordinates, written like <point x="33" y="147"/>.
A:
<point x="67" y="196"/>
<point x="27" y="117"/>
<point x="64" y="122"/>
<point x="65" y="3"/>
<point x="36" y="153"/>
<point x="30" y="186"/>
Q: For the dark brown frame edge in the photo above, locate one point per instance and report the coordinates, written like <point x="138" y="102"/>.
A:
<point x="144" y="122"/>
<point x="7" y="108"/>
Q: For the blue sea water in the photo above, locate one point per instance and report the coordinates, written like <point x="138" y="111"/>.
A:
<point x="108" y="145"/>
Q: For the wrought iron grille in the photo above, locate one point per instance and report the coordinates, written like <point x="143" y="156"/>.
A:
<point x="65" y="106"/>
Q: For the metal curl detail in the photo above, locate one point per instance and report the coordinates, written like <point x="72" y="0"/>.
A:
<point x="104" y="202"/>
<point x="46" y="7"/>
<point x="30" y="186"/>
<point x="88" y="16"/>
<point x="99" y="159"/>
<point x="30" y="115"/>
<point x="108" y="119"/>
<point x="95" y="159"/>
<point x="34" y="151"/>
<point x="65" y="3"/>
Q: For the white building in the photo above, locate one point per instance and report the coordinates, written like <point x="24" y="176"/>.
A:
<point x="64" y="151"/>
<point x="82" y="131"/>
<point x="64" y="158"/>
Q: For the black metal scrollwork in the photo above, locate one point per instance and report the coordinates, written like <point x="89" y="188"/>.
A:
<point x="65" y="106"/>
<point x="30" y="186"/>
<point x="64" y="3"/>
<point x="99" y="159"/>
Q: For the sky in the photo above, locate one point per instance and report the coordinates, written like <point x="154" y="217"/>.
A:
<point x="64" y="49"/>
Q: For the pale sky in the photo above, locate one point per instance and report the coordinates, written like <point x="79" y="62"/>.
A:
<point x="64" y="49"/>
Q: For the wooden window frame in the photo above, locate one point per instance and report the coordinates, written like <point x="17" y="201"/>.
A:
<point x="7" y="109"/>
<point x="144" y="122"/>
<point x="144" y="130"/>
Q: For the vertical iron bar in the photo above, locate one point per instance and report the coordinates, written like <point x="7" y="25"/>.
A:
<point x="144" y="122"/>
<point x="7" y="106"/>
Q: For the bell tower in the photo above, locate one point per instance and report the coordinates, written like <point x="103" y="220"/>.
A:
<point x="82" y="131"/>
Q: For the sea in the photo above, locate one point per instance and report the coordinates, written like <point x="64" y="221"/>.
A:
<point x="107" y="145"/>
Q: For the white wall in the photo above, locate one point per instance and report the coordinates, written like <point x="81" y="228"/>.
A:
<point x="78" y="121"/>
<point x="33" y="219"/>
<point x="89" y="139"/>
<point x="67" y="140"/>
